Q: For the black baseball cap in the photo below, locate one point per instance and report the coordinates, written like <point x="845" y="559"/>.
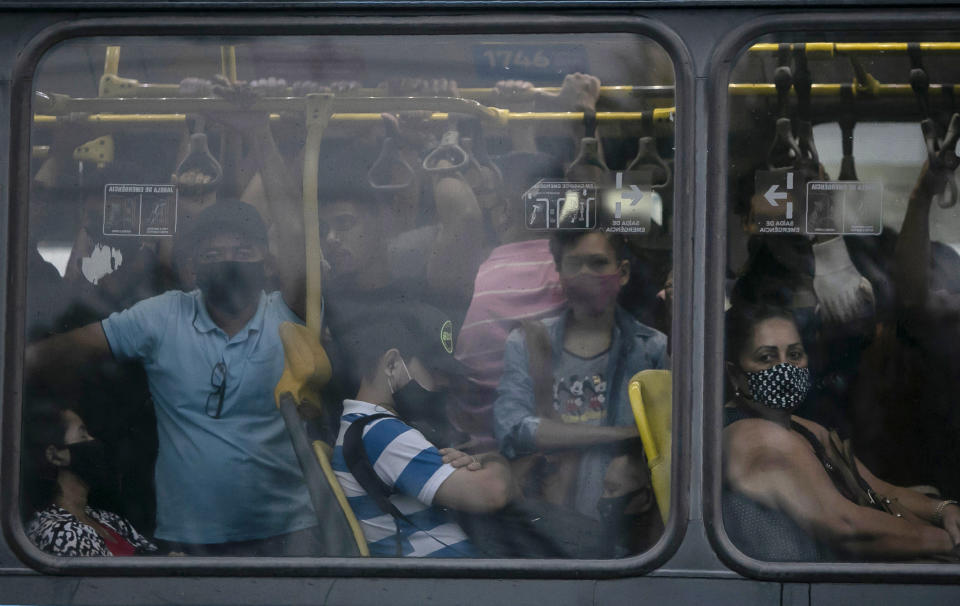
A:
<point x="416" y="329"/>
<point x="224" y="216"/>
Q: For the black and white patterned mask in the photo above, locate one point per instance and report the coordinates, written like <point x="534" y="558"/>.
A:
<point x="783" y="387"/>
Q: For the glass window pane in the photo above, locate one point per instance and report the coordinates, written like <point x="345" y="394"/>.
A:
<point x="434" y="263"/>
<point x="839" y="434"/>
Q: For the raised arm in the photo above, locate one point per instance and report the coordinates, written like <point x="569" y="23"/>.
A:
<point x="777" y="468"/>
<point x="457" y="250"/>
<point x="273" y="190"/>
<point x="61" y="358"/>
<point x="911" y="261"/>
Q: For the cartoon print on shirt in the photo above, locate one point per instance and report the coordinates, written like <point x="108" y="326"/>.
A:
<point x="580" y="399"/>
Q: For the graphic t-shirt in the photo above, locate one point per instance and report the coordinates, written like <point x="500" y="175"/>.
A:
<point x="580" y="388"/>
<point x="580" y="396"/>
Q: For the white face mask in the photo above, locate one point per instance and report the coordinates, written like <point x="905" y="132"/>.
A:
<point x="782" y="387"/>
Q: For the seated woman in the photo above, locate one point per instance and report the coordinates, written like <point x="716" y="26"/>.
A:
<point x="797" y="470"/>
<point x="65" y="463"/>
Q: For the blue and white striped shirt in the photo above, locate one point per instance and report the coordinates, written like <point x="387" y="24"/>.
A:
<point x="414" y="469"/>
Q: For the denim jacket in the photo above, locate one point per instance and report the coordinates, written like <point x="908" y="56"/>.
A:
<point x="634" y="347"/>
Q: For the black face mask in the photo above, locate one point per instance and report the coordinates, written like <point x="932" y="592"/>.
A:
<point x="230" y="286"/>
<point x="426" y="411"/>
<point x="88" y="460"/>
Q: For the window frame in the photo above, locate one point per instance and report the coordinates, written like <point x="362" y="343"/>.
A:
<point x="319" y="25"/>
<point x="722" y="62"/>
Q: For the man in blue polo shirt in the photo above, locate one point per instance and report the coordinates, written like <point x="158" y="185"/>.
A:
<point x="227" y="478"/>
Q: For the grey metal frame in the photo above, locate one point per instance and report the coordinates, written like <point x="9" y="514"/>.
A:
<point x="818" y="25"/>
<point x="506" y="23"/>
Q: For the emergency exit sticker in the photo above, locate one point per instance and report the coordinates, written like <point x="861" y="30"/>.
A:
<point x="629" y="207"/>
<point x="845" y="207"/>
<point x="776" y="205"/>
<point x="139" y="210"/>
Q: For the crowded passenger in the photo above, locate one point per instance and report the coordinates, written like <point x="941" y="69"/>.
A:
<point x="797" y="492"/>
<point x="905" y="392"/>
<point x="226" y="476"/>
<point x="63" y="466"/>
<point x="563" y="394"/>
<point x="403" y="489"/>
<point x="396" y="261"/>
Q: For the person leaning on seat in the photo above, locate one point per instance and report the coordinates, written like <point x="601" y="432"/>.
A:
<point x="63" y="466"/>
<point x="798" y="477"/>
<point x="403" y="358"/>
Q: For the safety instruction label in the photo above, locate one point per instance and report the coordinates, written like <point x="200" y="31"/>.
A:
<point x="139" y="210"/>
<point x="561" y="205"/>
<point x="845" y="207"/>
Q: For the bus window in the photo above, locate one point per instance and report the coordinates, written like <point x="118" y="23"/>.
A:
<point x="387" y="296"/>
<point x="839" y="426"/>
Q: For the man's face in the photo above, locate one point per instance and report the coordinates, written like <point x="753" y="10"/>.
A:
<point x="349" y="236"/>
<point x="228" y="247"/>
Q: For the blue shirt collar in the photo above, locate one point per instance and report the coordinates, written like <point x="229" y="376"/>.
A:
<point x="204" y="323"/>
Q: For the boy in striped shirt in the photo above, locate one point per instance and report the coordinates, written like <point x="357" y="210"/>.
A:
<point x="402" y="360"/>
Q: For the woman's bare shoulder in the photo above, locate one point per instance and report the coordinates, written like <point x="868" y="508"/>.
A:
<point x="752" y="443"/>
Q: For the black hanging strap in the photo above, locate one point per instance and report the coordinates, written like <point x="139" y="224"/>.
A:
<point x="590" y="122"/>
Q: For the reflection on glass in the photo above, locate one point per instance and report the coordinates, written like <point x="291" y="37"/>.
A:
<point x="344" y="254"/>
<point x="842" y="314"/>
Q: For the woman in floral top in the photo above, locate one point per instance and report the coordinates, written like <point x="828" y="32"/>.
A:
<point x="68" y="463"/>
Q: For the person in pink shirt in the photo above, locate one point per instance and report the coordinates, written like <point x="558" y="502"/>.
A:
<point x="517" y="282"/>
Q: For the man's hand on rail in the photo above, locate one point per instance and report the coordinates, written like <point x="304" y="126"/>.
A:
<point x="579" y="92"/>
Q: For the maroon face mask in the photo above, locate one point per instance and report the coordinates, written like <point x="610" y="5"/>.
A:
<point x="593" y="291"/>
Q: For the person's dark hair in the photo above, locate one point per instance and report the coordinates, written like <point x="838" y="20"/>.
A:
<point x="740" y="321"/>
<point x="45" y="424"/>
<point x="364" y="345"/>
<point x="562" y="240"/>
<point x="224" y="216"/>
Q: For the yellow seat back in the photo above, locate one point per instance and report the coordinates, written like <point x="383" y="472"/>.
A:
<point x="651" y="398"/>
<point x="306" y="371"/>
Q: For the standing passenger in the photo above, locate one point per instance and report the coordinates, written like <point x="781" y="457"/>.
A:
<point x="228" y="482"/>
<point x="591" y="353"/>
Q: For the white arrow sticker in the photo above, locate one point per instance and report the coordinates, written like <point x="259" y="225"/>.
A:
<point x="773" y="195"/>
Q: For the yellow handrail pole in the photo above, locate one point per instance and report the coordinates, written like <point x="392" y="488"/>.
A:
<point x="228" y="62"/>
<point x="232" y="143"/>
<point x="831" y="90"/>
<point x="319" y="110"/>
<point x="660" y="115"/>
<point x="827" y="50"/>
<point x="152" y="90"/>
<point x="111" y="61"/>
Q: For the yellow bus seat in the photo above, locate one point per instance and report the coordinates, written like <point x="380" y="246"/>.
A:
<point x="306" y="371"/>
<point x="323" y="452"/>
<point x="651" y="398"/>
<point x="306" y="365"/>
